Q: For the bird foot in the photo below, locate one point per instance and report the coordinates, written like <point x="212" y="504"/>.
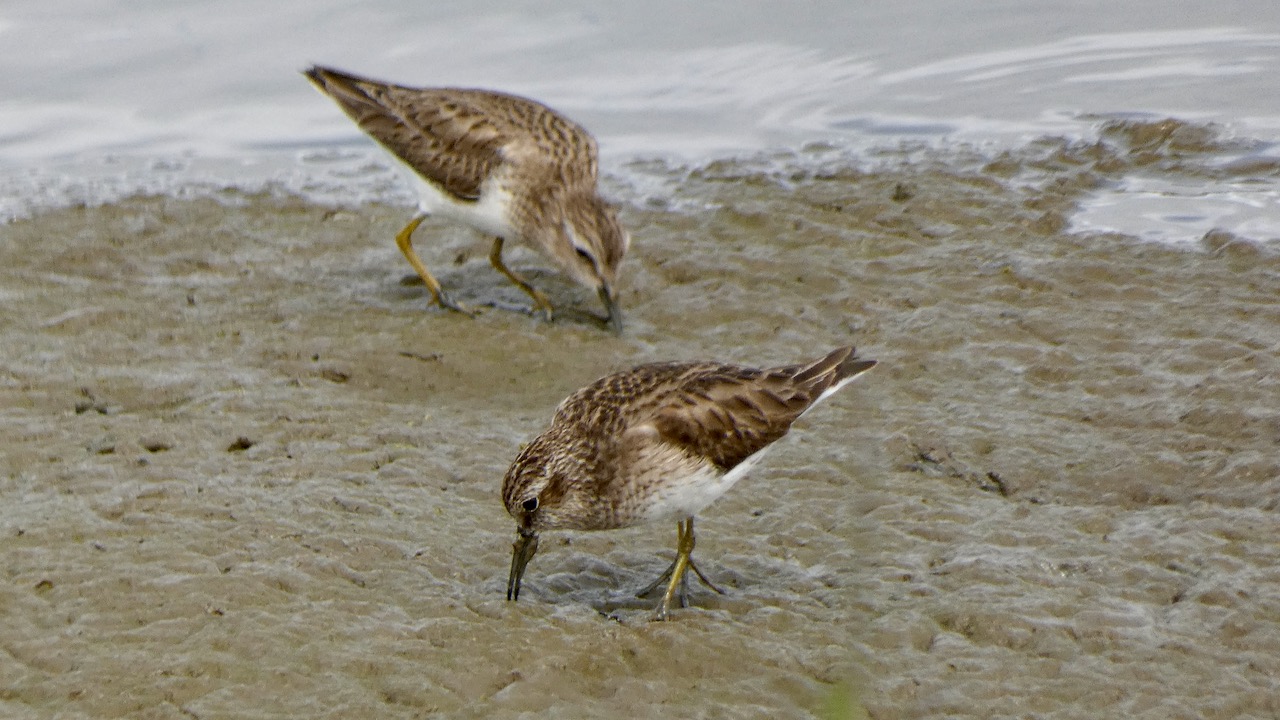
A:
<point x="530" y="310"/>
<point x="443" y="300"/>
<point x="681" y="594"/>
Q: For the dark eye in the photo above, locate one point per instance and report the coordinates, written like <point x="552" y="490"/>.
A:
<point x="530" y="505"/>
<point x="585" y="256"/>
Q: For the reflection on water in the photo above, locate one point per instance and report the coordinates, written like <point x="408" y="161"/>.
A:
<point x="1184" y="181"/>
<point x="1183" y="210"/>
<point x="1113" y="57"/>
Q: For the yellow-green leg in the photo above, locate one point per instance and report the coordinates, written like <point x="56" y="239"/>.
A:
<point x="405" y="241"/>
<point x="676" y="574"/>
<point x="540" y="301"/>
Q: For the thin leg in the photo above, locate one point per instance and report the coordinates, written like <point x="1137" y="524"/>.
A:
<point x="405" y="241"/>
<point x="676" y="576"/>
<point x="684" y="548"/>
<point x="540" y="301"/>
<point x="684" y="582"/>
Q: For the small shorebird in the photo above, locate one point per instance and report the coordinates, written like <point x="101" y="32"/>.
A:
<point x="502" y="164"/>
<point x="658" y="442"/>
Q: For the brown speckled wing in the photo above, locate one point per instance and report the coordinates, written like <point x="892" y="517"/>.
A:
<point x="727" y="413"/>
<point x="456" y="138"/>
<point x="536" y="138"/>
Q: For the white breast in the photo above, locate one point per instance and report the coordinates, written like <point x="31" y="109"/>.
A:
<point x="490" y="214"/>
<point x="681" y="495"/>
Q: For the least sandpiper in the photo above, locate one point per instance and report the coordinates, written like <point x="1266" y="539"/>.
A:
<point x="505" y="165"/>
<point x="658" y="442"/>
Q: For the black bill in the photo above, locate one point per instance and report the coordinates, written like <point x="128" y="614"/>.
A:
<point x="522" y="551"/>
<point x="614" y="319"/>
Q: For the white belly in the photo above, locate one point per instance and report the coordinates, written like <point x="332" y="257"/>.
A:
<point x="688" y="495"/>
<point x="490" y="214"/>
<point x="680" y="486"/>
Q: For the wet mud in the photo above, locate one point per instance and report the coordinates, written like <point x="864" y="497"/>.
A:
<point x="248" y="472"/>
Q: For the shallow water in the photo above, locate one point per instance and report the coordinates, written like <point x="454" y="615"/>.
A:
<point x="248" y="472"/>
<point x="189" y="99"/>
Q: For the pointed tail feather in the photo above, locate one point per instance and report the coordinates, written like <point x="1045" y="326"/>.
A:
<point x="344" y="88"/>
<point x="830" y="373"/>
<point x="852" y="366"/>
<point x="841" y="363"/>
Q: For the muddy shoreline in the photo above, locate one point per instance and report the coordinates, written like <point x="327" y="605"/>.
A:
<point x="249" y="472"/>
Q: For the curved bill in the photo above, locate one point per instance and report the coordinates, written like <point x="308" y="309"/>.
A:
<point x="522" y="551"/>
<point x="614" y="320"/>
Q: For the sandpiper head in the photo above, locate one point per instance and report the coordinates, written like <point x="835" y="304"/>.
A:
<point x="539" y="493"/>
<point x="541" y="490"/>
<point x="591" y="246"/>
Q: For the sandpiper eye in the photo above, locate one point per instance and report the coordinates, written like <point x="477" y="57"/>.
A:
<point x="530" y="505"/>
<point x="585" y="255"/>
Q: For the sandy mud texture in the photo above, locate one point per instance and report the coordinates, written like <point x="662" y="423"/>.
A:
<point x="248" y="472"/>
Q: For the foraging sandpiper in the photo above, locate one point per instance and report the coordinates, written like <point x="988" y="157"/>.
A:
<point x="503" y="164"/>
<point x="658" y="442"/>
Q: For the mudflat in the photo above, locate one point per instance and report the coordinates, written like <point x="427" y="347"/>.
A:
<point x="248" y="471"/>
